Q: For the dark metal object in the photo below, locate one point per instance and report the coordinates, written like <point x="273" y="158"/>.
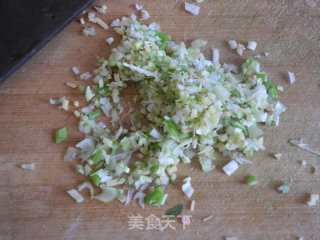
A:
<point x="27" y="25"/>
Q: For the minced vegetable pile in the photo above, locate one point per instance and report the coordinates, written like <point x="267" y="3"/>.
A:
<point x="189" y="108"/>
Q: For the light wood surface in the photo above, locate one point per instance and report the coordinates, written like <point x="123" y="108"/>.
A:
<point x="34" y="204"/>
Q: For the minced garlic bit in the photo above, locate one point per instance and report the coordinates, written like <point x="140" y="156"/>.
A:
<point x="314" y="198"/>
<point x="76" y="103"/>
<point x="266" y="54"/>
<point x="278" y="156"/>
<point x="303" y="163"/>
<point x="139" y="7"/>
<point x="29" y="166"/>
<point x="240" y="49"/>
<point x="292" y="78"/>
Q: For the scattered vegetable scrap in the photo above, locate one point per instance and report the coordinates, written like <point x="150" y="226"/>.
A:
<point x="28" y="166"/>
<point x="252" y="180"/>
<point x="304" y="146"/>
<point x="314" y="198"/>
<point x="278" y="156"/>
<point x="207" y="218"/>
<point x="192" y="107"/>
<point x="284" y="188"/>
<point x="191" y="8"/>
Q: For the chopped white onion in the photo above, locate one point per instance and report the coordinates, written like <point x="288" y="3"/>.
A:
<point x="191" y="8"/>
<point x="88" y="186"/>
<point x="231" y="167"/>
<point x="292" y="78"/>
<point x="76" y="195"/>
<point x="71" y="154"/>
<point x="145" y="15"/>
<point x="252" y="45"/>
<point x="108" y="194"/>
<point x="230" y="68"/>
<point x="81" y="20"/>
<point x="314" y="198"/>
<point x="75" y="70"/>
<point x="71" y="85"/>
<point x="139" y="7"/>
<point x="100" y="22"/>
<point x="85" y="76"/>
<point x="28" y="166"/>
<point x="233" y="44"/>
<point x="110" y="40"/>
<point x="140" y="195"/>
<point x="187" y="188"/>
<point x="215" y="55"/>
<point x="278" y="156"/>
<point x="240" y="49"/>
<point x="129" y="196"/>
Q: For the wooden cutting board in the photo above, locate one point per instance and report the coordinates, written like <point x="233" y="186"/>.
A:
<point x="34" y="204"/>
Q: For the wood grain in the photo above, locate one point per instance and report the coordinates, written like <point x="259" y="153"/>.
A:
<point x="34" y="205"/>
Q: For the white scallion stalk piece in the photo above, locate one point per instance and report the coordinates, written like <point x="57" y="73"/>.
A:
<point x="88" y="186"/>
<point x="85" y="76"/>
<point x="28" y="166"/>
<point x="187" y="188"/>
<point x="99" y="21"/>
<point x="314" y="198"/>
<point x="71" y="154"/>
<point x="252" y="45"/>
<point x="233" y="44"/>
<point x="108" y="194"/>
<point x="65" y="104"/>
<point x="75" y="70"/>
<point x="231" y="167"/>
<point x="240" y="49"/>
<point x="110" y="40"/>
<point x="191" y="8"/>
<point x="139" y="7"/>
<point x="304" y="146"/>
<point x="145" y="14"/>
<point x="215" y="55"/>
<point x="292" y="78"/>
<point x="76" y="195"/>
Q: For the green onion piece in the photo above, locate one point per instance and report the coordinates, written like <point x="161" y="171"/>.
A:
<point x="284" y="188"/>
<point x="174" y="130"/>
<point x="250" y="60"/>
<point x="154" y="196"/>
<point x="137" y="26"/>
<point x="242" y="127"/>
<point x="127" y="72"/>
<point x="154" y="168"/>
<point x="85" y="124"/>
<point x="138" y="58"/>
<point x="175" y="211"/>
<point x="163" y="37"/>
<point x="97" y="157"/>
<point x="172" y="182"/>
<point x="164" y="46"/>
<point x="261" y="75"/>
<point x="61" y="135"/>
<point x="138" y="44"/>
<point x="235" y="93"/>
<point x="272" y="89"/>
<point x="95" y="179"/>
<point x="210" y="69"/>
<point x="94" y="114"/>
<point x="252" y="180"/>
